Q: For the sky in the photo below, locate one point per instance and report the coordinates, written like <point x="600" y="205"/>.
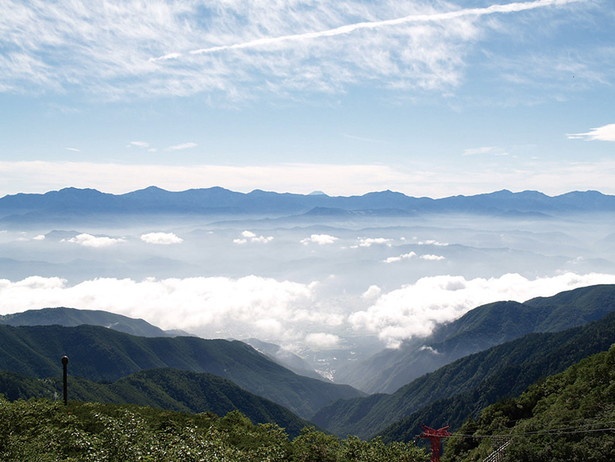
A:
<point x="428" y="98"/>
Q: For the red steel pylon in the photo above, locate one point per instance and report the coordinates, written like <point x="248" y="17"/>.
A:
<point x="434" y="437"/>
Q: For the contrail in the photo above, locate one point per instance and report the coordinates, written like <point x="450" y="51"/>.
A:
<point x="347" y="29"/>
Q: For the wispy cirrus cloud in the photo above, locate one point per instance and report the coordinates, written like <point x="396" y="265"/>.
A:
<point x="350" y="28"/>
<point x="138" y="144"/>
<point x="120" y="49"/>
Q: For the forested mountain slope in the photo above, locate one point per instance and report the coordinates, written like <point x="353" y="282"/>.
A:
<point x="469" y="384"/>
<point x="101" y="354"/>
<point x="569" y="416"/>
<point x="168" y="389"/>
<point x="477" y="330"/>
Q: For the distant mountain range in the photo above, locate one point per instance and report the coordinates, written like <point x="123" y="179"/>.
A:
<point x="69" y="203"/>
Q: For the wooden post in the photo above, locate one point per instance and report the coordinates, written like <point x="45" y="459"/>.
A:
<point x="65" y="378"/>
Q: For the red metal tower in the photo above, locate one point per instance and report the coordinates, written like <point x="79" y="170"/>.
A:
<point x="434" y="437"/>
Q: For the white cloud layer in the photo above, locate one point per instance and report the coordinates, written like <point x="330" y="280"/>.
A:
<point x="414" y="310"/>
<point x="284" y="312"/>
<point x="161" y="238"/>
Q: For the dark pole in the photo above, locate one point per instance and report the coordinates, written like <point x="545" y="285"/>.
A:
<point x="65" y="378"/>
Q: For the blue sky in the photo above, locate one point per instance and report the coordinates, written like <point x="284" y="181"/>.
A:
<point x="429" y="98"/>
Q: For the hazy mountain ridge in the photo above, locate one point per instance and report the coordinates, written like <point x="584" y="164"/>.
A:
<point x="70" y="317"/>
<point x="70" y="201"/>
<point x="479" y="329"/>
<point x="284" y="358"/>
<point x="461" y="389"/>
<point x="101" y="354"/>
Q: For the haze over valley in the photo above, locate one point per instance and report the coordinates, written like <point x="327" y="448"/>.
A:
<point x="330" y="286"/>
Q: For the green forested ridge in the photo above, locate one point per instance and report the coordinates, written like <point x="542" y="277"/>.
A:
<point x="467" y="385"/>
<point x="479" y="329"/>
<point x="100" y="354"/>
<point x="44" y="431"/>
<point x="566" y="417"/>
<point x="168" y="389"/>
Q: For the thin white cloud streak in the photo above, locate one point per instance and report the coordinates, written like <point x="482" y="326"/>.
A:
<point x="182" y="146"/>
<point x="604" y="133"/>
<point x="552" y="178"/>
<point x="138" y="144"/>
<point x="350" y="28"/>
<point x="284" y="312"/>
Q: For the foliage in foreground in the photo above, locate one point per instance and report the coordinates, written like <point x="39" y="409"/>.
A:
<point x="567" y="417"/>
<point x="45" y="431"/>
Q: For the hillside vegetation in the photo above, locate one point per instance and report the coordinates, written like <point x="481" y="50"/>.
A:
<point x="567" y="417"/>
<point x="45" y="431"/>
<point x="168" y="389"/>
